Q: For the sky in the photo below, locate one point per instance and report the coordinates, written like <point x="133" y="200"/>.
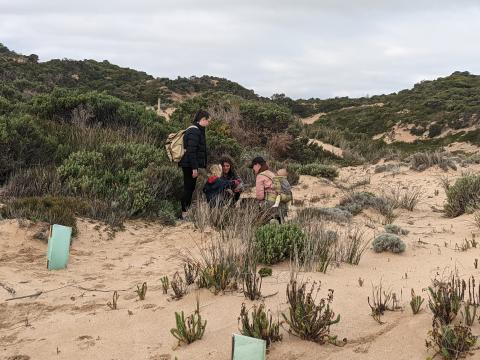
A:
<point x="302" y="48"/>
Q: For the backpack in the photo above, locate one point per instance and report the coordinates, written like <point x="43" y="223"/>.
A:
<point x="281" y="187"/>
<point x="174" y="145"/>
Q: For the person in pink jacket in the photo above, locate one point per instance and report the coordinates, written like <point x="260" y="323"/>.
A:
<point x="264" y="191"/>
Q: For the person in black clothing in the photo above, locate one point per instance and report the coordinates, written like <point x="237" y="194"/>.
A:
<point x="228" y="173"/>
<point x="195" y="156"/>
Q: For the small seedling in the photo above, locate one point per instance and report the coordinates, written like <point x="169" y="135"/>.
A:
<point x="416" y="303"/>
<point x="251" y="282"/>
<point x="475" y="263"/>
<point x="381" y="301"/>
<point x="360" y="281"/>
<point x="191" y="272"/>
<point x="265" y="271"/>
<point x="178" y="286"/>
<point x="142" y="291"/>
<point x="165" y="284"/>
<point x="113" y="305"/>
<point x="189" y="329"/>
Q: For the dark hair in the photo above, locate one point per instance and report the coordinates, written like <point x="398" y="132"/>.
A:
<point x="229" y="160"/>
<point x="200" y="115"/>
<point x="263" y="167"/>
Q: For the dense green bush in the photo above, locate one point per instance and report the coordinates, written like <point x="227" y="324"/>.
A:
<point x="395" y="229"/>
<point x="276" y="242"/>
<point x="388" y="242"/>
<point x="22" y="144"/>
<point x="319" y="170"/>
<point x="356" y="202"/>
<point x="130" y="174"/>
<point x="304" y="151"/>
<point x="463" y="196"/>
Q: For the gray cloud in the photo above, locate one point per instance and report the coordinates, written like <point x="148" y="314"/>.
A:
<point x="307" y="49"/>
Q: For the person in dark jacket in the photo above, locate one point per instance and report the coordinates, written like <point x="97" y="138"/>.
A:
<point x="218" y="190"/>
<point x="195" y="156"/>
<point x="229" y="173"/>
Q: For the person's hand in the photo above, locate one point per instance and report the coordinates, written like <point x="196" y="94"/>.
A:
<point x="229" y="191"/>
<point x="194" y="173"/>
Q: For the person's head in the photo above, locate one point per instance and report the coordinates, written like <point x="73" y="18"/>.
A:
<point x="227" y="165"/>
<point x="282" y="172"/>
<point x="259" y="165"/>
<point x="201" y="118"/>
<point x="215" y="170"/>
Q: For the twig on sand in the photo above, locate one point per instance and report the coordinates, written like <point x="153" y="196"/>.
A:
<point x="38" y="293"/>
<point x="8" y="288"/>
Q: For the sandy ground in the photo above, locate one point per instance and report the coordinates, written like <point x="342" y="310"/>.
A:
<point x="311" y="119"/>
<point x="329" y="147"/>
<point x="70" y="320"/>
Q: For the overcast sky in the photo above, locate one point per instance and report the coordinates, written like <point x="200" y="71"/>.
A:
<point x="303" y="48"/>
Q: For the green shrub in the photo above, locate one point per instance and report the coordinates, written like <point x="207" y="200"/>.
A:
<point x="319" y="170"/>
<point x="220" y="145"/>
<point x="356" y="202"/>
<point x="265" y="271"/>
<point x="23" y="143"/>
<point x="463" y="196"/>
<point x="130" y="174"/>
<point x="276" y="242"/>
<point x="451" y="341"/>
<point x="332" y="214"/>
<point x="395" y="229"/>
<point x="304" y="151"/>
<point x="388" y="242"/>
<point x="53" y="210"/>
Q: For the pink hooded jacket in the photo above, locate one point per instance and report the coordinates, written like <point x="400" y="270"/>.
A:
<point x="263" y="184"/>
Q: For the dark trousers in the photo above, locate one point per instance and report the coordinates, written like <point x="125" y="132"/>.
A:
<point x="188" y="188"/>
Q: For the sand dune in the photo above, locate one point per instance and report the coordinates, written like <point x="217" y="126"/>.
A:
<point x="70" y="319"/>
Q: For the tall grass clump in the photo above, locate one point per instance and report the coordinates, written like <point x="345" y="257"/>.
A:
<point x="463" y="196"/>
<point x="258" y="323"/>
<point x="404" y="197"/>
<point x="351" y="246"/>
<point x="420" y="161"/>
<point x="319" y="170"/>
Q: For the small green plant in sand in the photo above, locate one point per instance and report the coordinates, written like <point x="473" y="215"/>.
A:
<point x="113" y="305"/>
<point x="165" y="284"/>
<point x="251" y="281"/>
<point x="189" y="329"/>
<point x="445" y="299"/>
<point x="179" y="286"/>
<point x="307" y="318"/>
<point x="265" y="271"/>
<point x="381" y="301"/>
<point x="261" y="325"/>
<point x="416" y="303"/>
<point x="191" y="272"/>
<point x="395" y="229"/>
<point x="276" y="242"/>
<point x="142" y="291"/>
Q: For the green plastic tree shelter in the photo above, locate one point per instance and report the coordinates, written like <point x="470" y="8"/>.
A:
<point x="58" y="247"/>
<point x="248" y="348"/>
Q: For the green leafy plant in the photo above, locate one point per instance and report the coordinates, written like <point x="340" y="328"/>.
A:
<point x="308" y="318"/>
<point x="189" y="329"/>
<point x="388" y="242"/>
<point x="165" y="284"/>
<point x="276" y="242"/>
<point x="142" y="291"/>
<point x="265" y="271"/>
<point x="416" y="303"/>
<point x="113" y="305"/>
<point x="451" y="341"/>
<point x="445" y="299"/>
<point x="258" y="323"/>
<point x="469" y="313"/>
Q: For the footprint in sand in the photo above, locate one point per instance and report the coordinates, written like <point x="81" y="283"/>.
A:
<point x="85" y="342"/>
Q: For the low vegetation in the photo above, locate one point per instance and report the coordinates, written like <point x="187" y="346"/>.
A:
<point x="189" y="329"/>
<point x="463" y="196"/>
<point x="259" y="323"/>
<point x="388" y="242"/>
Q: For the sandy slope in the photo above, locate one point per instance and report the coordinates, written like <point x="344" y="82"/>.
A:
<point x="74" y="322"/>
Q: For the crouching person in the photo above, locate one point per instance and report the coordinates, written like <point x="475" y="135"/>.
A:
<point x="272" y="191"/>
<point x="218" y="190"/>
